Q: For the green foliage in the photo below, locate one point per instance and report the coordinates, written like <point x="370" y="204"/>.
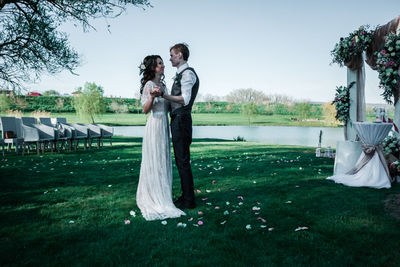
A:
<point x="249" y="109"/>
<point x="5" y="102"/>
<point x="89" y="101"/>
<point x="50" y="93"/>
<point x="31" y="42"/>
<point x="303" y="110"/>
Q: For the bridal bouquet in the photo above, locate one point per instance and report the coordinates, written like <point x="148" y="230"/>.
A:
<point x="352" y="45"/>
<point x="388" y="63"/>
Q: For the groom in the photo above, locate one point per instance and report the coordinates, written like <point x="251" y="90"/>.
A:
<point x="183" y="93"/>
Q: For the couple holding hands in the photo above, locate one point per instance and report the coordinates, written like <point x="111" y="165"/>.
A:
<point x="154" y="192"/>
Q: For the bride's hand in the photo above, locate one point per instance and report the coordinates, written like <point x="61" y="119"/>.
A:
<point x="156" y="91"/>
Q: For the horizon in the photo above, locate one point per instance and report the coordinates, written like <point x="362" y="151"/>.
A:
<point x="275" y="47"/>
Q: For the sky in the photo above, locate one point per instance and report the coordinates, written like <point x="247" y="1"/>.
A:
<point x="278" y="47"/>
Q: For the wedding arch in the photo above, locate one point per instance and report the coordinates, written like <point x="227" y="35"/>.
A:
<point x="380" y="49"/>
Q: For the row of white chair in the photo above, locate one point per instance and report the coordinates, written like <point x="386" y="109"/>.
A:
<point x="51" y="132"/>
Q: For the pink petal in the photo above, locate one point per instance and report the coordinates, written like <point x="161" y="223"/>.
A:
<point x="217" y="207"/>
<point x="198" y="191"/>
<point x="204" y="199"/>
<point x="200" y="222"/>
<point x="127" y="221"/>
<point x="240" y="197"/>
<point x="263" y="220"/>
<point x="190" y="219"/>
<point x="200" y="213"/>
<point x="213" y="182"/>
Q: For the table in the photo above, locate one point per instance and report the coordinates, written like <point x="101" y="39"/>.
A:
<point x="371" y="169"/>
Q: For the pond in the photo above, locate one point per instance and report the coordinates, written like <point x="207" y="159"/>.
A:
<point x="279" y="135"/>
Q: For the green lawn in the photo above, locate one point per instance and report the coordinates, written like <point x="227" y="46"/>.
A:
<point x="68" y="209"/>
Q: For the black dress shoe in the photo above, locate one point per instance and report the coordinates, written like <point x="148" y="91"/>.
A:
<point x="178" y="200"/>
<point x="186" y="205"/>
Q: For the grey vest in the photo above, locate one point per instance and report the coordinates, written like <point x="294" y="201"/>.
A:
<point x="177" y="108"/>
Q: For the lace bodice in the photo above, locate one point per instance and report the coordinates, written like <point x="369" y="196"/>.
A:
<point x="159" y="103"/>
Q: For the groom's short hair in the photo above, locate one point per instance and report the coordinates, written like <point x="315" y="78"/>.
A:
<point x="183" y="48"/>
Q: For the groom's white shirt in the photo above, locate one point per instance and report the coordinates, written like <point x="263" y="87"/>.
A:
<point x="187" y="82"/>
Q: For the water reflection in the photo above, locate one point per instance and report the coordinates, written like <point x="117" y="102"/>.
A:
<point x="281" y="135"/>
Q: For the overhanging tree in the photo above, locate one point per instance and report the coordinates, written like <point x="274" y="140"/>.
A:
<point x="31" y="42"/>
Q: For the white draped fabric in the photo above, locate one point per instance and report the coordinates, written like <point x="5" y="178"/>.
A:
<point x="373" y="173"/>
<point x="154" y="192"/>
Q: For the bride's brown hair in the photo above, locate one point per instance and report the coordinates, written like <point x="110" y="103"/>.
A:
<point x="148" y="69"/>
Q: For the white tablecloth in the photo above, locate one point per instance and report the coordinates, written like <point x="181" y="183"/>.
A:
<point x="373" y="174"/>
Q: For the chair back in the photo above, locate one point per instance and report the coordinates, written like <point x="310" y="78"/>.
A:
<point x="29" y="121"/>
<point x="46" y="121"/>
<point x="18" y="125"/>
<point x="8" y="124"/>
<point x="61" y="120"/>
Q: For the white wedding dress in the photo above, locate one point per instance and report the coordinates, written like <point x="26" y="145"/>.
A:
<point x="154" y="192"/>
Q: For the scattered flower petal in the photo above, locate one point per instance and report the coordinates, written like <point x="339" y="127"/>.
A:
<point x="256" y="208"/>
<point x="297" y="186"/>
<point x="263" y="220"/>
<point x="240" y="203"/>
<point x="71" y="221"/>
<point x="300" y="228"/>
<point x="190" y="219"/>
<point x="223" y="222"/>
<point x="198" y="191"/>
<point x="132" y="213"/>
<point x="200" y="223"/>
<point x="181" y="224"/>
<point x="240" y="197"/>
<point x="226" y="212"/>
<point x="127" y="221"/>
<point x="200" y="212"/>
<point x="217" y="207"/>
<point x="204" y="199"/>
<point x="288" y="202"/>
<point x="271" y="229"/>
<point x="248" y="227"/>
<point x="213" y="181"/>
<point x="208" y="191"/>
<point x="263" y="226"/>
<point x="109" y="185"/>
<point x="164" y="222"/>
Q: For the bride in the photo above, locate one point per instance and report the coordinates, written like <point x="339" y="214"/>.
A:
<point x="154" y="192"/>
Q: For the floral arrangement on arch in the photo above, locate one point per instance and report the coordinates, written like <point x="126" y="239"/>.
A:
<point x="352" y="45"/>
<point x="391" y="145"/>
<point x="388" y="63"/>
<point x="342" y="103"/>
<point x="394" y="168"/>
